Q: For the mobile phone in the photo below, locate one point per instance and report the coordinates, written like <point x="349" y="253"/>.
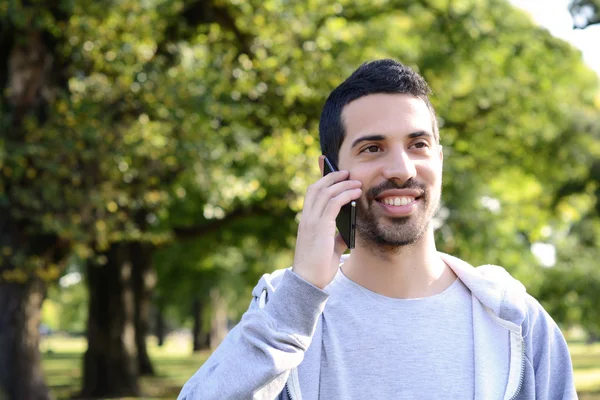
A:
<point x="346" y="219"/>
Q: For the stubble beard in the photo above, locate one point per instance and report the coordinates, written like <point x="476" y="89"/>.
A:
<point x="390" y="235"/>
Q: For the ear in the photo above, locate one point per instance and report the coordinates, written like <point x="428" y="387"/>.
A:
<point x="441" y="151"/>
<point x="322" y="164"/>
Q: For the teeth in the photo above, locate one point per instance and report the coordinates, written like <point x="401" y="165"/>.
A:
<point x="398" y="201"/>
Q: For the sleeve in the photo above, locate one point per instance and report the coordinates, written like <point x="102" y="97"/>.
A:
<point x="255" y="359"/>
<point x="551" y="360"/>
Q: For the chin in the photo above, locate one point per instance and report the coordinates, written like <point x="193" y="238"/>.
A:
<point x="393" y="236"/>
<point x="399" y="239"/>
<point x="392" y="233"/>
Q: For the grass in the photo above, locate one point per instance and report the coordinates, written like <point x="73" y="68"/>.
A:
<point x="586" y="365"/>
<point x="175" y="363"/>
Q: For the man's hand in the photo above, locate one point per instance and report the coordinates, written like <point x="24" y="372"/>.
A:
<point x="318" y="248"/>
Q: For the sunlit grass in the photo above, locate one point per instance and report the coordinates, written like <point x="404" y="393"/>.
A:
<point x="586" y="364"/>
<point x="175" y="363"/>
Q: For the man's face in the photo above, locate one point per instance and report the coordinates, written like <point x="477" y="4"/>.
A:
<point x="390" y="147"/>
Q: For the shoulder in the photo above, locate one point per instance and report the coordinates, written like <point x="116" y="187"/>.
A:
<point x="538" y="320"/>
<point x="548" y="354"/>
<point x="542" y="335"/>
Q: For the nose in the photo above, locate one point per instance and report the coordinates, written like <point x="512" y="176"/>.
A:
<point x="400" y="167"/>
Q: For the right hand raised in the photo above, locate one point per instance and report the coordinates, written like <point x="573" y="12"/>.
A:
<point x="318" y="247"/>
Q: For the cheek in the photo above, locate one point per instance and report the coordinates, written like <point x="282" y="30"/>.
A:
<point x="361" y="174"/>
<point x="429" y="173"/>
<point x="437" y="174"/>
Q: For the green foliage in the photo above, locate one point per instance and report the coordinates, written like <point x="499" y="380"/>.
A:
<point x="51" y="314"/>
<point x="193" y="125"/>
<point x="65" y="308"/>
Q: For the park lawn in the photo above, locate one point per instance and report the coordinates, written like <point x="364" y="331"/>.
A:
<point x="175" y="363"/>
<point x="586" y="364"/>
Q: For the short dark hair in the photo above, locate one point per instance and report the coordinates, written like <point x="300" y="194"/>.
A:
<point x="381" y="76"/>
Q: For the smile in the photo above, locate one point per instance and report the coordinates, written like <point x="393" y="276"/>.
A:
<point x="398" y="201"/>
<point x="398" y="206"/>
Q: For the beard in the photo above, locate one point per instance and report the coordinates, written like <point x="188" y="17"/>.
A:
<point x="392" y="233"/>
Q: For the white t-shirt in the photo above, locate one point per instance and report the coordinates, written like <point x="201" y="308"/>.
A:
<point x="376" y="347"/>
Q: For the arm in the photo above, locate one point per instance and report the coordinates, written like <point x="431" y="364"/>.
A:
<point x="550" y="357"/>
<point x="256" y="357"/>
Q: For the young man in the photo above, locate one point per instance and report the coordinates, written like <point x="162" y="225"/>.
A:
<point x="396" y="319"/>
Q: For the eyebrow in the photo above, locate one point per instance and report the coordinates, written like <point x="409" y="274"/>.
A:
<point x="379" y="138"/>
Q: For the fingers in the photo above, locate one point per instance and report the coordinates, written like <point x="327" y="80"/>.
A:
<point x="318" y="248"/>
<point x="338" y="194"/>
<point x="336" y="203"/>
<point x="312" y="193"/>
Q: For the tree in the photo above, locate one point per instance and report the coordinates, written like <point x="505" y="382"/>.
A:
<point x="112" y="310"/>
<point x="31" y="73"/>
<point x="182" y="136"/>
<point x="144" y="281"/>
<point x="504" y="91"/>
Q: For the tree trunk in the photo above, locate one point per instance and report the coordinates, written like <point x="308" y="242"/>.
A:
<point x="110" y="366"/>
<point x="592" y="337"/>
<point x="21" y="375"/>
<point x="28" y="66"/>
<point x="144" y="280"/>
<point x="201" y="338"/>
<point x="160" y="325"/>
<point x="218" y="329"/>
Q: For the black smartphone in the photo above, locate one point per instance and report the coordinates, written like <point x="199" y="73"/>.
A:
<point x="346" y="219"/>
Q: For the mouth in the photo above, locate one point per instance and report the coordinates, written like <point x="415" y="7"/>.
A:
<point x="398" y="201"/>
<point x="399" y="204"/>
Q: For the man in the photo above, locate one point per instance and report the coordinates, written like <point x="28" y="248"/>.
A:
<point x="396" y="319"/>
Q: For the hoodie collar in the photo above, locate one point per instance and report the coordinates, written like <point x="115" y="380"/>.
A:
<point x="500" y="294"/>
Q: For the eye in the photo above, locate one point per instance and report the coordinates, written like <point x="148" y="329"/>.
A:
<point x="420" y="145"/>
<point x="371" y="149"/>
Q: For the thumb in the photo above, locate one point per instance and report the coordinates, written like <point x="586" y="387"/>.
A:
<point x="340" y="246"/>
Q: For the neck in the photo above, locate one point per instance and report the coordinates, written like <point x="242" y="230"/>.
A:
<point x="412" y="271"/>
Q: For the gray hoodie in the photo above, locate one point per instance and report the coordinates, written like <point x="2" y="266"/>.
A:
<point x="519" y="351"/>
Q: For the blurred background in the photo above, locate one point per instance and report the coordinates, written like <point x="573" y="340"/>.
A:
<point x="154" y="155"/>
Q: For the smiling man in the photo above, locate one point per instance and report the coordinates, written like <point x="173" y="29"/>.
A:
<point x="395" y="319"/>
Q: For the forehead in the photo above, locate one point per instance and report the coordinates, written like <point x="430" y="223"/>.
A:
<point x="387" y="114"/>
